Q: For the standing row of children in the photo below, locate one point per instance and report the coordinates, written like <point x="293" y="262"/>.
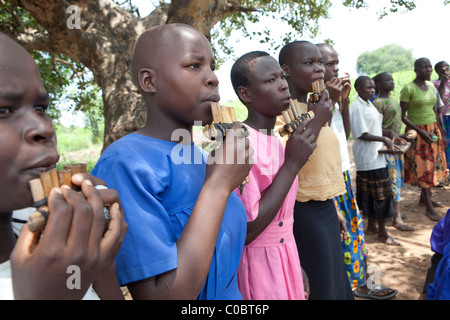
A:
<point x="191" y="233"/>
<point x="421" y="109"/>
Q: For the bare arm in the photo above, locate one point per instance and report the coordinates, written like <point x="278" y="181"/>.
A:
<point x="345" y="110"/>
<point x="369" y="137"/>
<point x="425" y="135"/>
<point x="298" y="148"/>
<point x="441" y="87"/>
<point x="345" y="101"/>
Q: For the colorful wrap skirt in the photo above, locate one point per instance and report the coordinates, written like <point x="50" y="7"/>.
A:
<point x="374" y="193"/>
<point x="395" y="165"/>
<point x="425" y="164"/>
<point x="354" y="246"/>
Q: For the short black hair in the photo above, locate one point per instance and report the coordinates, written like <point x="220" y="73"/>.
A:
<point x="287" y="52"/>
<point x="438" y="66"/>
<point x="361" y="80"/>
<point x="379" y="77"/>
<point x="240" y="69"/>
<point x="323" y="46"/>
<point x="416" y="63"/>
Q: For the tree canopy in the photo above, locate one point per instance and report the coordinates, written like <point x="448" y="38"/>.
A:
<point x="390" y="58"/>
<point x="99" y="35"/>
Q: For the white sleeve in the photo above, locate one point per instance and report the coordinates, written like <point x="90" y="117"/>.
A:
<point x="358" y="123"/>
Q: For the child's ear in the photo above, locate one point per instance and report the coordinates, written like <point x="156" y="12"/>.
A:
<point x="244" y="94"/>
<point x="146" y="79"/>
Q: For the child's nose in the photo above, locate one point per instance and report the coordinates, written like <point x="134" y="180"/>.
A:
<point x="211" y="80"/>
<point x="284" y="85"/>
<point x="39" y="129"/>
<point x="319" y="68"/>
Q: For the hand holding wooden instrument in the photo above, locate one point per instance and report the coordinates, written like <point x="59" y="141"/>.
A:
<point x="318" y="87"/>
<point x="40" y="190"/>
<point x="293" y="118"/>
<point x="223" y="119"/>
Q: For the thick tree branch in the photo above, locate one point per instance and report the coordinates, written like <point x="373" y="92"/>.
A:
<point x="34" y="40"/>
<point x="235" y="6"/>
<point x="157" y="16"/>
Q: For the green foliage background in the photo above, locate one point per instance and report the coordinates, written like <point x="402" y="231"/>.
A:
<point x="390" y="58"/>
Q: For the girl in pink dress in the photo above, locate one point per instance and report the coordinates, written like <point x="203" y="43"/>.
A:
<point x="270" y="266"/>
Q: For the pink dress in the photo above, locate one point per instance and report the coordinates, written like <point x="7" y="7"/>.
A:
<point x="270" y="266"/>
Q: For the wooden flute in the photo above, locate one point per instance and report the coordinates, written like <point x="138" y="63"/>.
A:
<point x="223" y="119"/>
<point x="318" y="86"/>
<point x="40" y="190"/>
<point x="293" y="118"/>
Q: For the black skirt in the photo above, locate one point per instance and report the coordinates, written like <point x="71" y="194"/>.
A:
<point x="374" y="193"/>
<point x="317" y="234"/>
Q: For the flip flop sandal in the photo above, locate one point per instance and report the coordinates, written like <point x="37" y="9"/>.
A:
<point x="372" y="293"/>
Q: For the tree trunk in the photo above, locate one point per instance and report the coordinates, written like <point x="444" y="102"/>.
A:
<point x="104" y="42"/>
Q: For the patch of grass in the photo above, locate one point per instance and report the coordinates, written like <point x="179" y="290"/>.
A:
<point x="75" y="145"/>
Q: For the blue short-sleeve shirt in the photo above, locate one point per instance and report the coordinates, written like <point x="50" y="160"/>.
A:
<point x="158" y="182"/>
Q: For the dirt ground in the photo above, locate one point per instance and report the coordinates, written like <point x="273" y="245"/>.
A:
<point x="404" y="267"/>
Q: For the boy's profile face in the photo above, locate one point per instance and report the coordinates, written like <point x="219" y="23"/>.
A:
<point x="185" y="81"/>
<point x="27" y="136"/>
<point x="387" y="83"/>
<point x="366" y="90"/>
<point x="268" y="90"/>
<point x="330" y="63"/>
<point x="307" y="66"/>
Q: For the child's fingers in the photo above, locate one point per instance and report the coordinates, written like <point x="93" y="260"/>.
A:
<point x="304" y="133"/>
<point x="98" y="216"/>
<point x="236" y="142"/>
<point x="59" y="218"/>
<point x="335" y="82"/>
<point x="237" y="130"/>
<point x="114" y="235"/>
<point x="25" y="244"/>
<point x="82" y="218"/>
<point x="78" y="178"/>
<point x="310" y="136"/>
<point x="302" y="126"/>
<point x="109" y="196"/>
<point x="325" y="95"/>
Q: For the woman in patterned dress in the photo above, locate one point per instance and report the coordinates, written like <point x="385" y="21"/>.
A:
<point x="425" y="163"/>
